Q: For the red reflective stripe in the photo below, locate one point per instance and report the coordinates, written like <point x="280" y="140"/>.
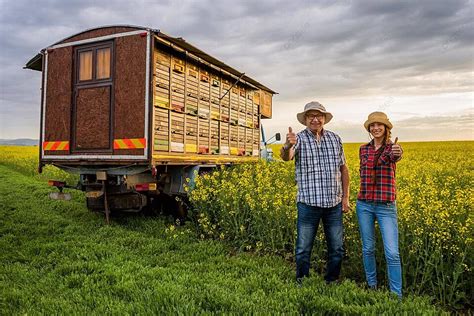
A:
<point x="141" y="187"/>
<point x="116" y="144"/>
<point x="55" y="183"/>
<point x="55" y="145"/>
<point x="61" y="145"/>
<point x="129" y="143"/>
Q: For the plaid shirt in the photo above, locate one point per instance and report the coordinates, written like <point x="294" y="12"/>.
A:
<point x="377" y="180"/>
<point x="318" y="168"/>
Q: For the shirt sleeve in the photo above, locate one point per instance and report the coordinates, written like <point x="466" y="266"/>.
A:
<point x="342" y="157"/>
<point x="296" y="147"/>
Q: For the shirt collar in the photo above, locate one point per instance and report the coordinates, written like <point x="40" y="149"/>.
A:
<point x="323" y="131"/>
<point x="372" y="144"/>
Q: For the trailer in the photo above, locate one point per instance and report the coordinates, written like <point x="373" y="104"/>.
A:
<point x="137" y="113"/>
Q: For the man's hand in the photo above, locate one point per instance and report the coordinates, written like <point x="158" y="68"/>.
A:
<point x="396" y="148"/>
<point x="346" y="206"/>
<point x="290" y="138"/>
<point x="286" y="152"/>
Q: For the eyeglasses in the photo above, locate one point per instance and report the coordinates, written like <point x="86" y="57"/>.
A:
<point x="311" y="117"/>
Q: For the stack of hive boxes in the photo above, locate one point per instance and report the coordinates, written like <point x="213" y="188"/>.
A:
<point x="256" y="124"/>
<point x="195" y="112"/>
<point x="161" y="101"/>
<point x="177" y="105"/>
<point x="225" y="117"/>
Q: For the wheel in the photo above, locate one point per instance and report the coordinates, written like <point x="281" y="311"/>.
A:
<point x="173" y="205"/>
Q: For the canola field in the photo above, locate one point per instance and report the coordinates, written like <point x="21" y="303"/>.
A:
<point x="252" y="207"/>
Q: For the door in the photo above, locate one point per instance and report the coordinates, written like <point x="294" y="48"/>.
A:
<point x="92" y="114"/>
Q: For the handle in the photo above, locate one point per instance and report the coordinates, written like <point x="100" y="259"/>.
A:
<point x="178" y="68"/>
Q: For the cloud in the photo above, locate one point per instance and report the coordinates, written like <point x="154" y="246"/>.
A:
<point x="458" y="126"/>
<point x="301" y="49"/>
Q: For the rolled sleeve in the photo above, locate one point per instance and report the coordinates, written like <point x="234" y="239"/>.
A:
<point x="296" y="147"/>
<point x="342" y="156"/>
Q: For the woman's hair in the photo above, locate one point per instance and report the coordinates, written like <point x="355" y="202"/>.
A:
<point x="387" y="135"/>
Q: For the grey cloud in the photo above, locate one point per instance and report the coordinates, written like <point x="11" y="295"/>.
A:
<point x="459" y="125"/>
<point x="298" y="48"/>
<point x="419" y="128"/>
<point x="465" y="121"/>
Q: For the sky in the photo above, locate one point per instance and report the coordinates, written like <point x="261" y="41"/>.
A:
<point x="413" y="60"/>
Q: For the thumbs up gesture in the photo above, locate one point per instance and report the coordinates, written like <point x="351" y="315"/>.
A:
<point x="396" y="148"/>
<point x="290" y="138"/>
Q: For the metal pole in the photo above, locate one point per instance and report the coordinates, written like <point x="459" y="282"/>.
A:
<point x="106" y="204"/>
<point x="231" y="87"/>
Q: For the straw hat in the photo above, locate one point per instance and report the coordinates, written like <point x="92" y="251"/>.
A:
<point x="377" y="117"/>
<point x="313" y="106"/>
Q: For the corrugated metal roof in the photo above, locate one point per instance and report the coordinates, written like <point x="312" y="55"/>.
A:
<point x="35" y="63"/>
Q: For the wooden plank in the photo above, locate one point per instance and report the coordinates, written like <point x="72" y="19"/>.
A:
<point x="266" y="105"/>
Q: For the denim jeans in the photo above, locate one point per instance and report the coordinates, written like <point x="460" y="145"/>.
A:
<point x="307" y="227"/>
<point x="386" y="216"/>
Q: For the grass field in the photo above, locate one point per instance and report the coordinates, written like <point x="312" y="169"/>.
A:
<point x="253" y="207"/>
<point x="58" y="258"/>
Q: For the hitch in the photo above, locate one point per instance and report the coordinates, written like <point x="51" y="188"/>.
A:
<point x="60" y="185"/>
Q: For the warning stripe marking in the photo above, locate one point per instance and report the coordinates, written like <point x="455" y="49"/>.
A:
<point x="129" y="143"/>
<point x="56" y="145"/>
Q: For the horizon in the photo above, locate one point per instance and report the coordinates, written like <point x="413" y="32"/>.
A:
<point x="275" y="143"/>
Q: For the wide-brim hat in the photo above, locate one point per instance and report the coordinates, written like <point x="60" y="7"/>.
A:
<point x="313" y="106"/>
<point x="377" y="117"/>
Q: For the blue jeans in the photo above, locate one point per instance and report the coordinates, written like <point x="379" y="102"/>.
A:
<point x="307" y="227"/>
<point x="386" y="216"/>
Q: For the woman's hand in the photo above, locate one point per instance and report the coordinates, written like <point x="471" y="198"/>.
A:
<point x="397" y="149"/>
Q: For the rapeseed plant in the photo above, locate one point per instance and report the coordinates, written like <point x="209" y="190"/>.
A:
<point x="253" y="207"/>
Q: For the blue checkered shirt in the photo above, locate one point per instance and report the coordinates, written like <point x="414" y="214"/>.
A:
<point x="318" y="168"/>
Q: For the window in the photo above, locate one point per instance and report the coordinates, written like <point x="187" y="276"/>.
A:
<point x="103" y="63"/>
<point x="94" y="63"/>
<point x="85" y="66"/>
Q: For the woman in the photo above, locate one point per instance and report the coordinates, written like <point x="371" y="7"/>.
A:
<point x="376" y="200"/>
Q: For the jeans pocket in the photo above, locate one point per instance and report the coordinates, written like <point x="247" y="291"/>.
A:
<point x="389" y="207"/>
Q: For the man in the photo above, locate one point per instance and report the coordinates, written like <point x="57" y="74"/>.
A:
<point x="323" y="188"/>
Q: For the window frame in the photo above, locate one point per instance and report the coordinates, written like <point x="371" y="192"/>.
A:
<point x="94" y="48"/>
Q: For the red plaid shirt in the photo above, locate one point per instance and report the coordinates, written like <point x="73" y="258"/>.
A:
<point x="377" y="180"/>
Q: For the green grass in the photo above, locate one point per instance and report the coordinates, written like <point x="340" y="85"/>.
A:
<point x="58" y="258"/>
<point x="253" y="207"/>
